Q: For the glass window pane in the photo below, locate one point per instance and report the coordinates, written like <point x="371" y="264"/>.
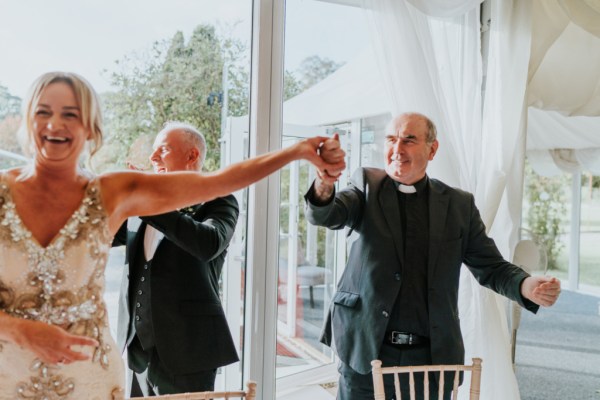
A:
<point x="151" y="62"/>
<point x="311" y="258"/>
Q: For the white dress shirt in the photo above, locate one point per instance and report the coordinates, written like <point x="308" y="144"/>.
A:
<point x="152" y="238"/>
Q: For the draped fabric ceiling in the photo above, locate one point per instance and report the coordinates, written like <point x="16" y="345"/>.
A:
<point x="563" y="91"/>
<point x="564" y="87"/>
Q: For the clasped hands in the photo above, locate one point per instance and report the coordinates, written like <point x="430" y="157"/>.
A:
<point x="331" y="152"/>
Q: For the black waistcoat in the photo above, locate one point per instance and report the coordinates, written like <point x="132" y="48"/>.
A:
<point x="139" y="302"/>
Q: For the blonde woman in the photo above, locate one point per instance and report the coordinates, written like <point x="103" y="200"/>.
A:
<point x="56" y="226"/>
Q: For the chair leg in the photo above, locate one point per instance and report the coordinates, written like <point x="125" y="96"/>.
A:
<point x="312" y="298"/>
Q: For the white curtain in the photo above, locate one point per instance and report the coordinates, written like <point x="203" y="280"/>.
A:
<point x="504" y="128"/>
<point x="433" y="66"/>
<point x="566" y="43"/>
<point x="589" y="159"/>
<point x="445" y="8"/>
<point x="542" y="163"/>
<point x="585" y="14"/>
<point x="557" y="161"/>
<point x="418" y="62"/>
<point x="552" y="130"/>
<point x="565" y="160"/>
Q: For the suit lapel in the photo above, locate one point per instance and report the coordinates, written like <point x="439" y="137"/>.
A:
<point x="438" y="213"/>
<point x="139" y="226"/>
<point x="388" y="200"/>
<point x="137" y="244"/>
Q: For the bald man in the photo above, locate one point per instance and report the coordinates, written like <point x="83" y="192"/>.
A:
<point x="170" y="315"/>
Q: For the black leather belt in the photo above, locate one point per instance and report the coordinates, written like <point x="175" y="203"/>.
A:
<point x="405" y="338"/>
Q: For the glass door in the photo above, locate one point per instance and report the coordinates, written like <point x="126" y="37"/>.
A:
<point x="324" y="92"/>
<point x="307" y="268"/>
<point x="150" y="63"/>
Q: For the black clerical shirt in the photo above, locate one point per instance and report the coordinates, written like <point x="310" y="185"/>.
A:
<point x="411" y="312"/>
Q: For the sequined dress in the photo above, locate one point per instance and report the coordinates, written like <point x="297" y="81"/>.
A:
<point x="61" y="284"/>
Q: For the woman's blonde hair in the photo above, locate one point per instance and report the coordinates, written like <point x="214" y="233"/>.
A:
<point x="86" y="98"/>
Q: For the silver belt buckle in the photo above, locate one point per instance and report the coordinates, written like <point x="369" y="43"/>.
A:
<point x="395" y="337"/>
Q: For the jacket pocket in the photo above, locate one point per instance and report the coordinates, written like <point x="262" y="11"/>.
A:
<point x="346" y="299"/>
<point x="200" y="308"/>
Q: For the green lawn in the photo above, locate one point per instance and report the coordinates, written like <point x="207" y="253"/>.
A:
<point x="589" y="265"/>
<point x="589" y="256"/>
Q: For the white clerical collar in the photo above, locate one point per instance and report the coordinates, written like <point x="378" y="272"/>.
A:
<point x="407" y="188"/>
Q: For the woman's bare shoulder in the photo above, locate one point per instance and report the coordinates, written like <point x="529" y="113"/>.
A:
<point x="11" y="174"/>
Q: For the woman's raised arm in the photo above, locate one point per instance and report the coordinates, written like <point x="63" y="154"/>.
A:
<point x="128" y="194"/>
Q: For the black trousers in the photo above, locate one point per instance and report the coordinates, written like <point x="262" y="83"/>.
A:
<point x="355" y="386"/>
<point x="149" y="376"/>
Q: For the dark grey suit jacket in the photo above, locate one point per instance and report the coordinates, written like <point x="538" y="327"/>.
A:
<point x="361" y="307"/>
<point x="190" y="329"/>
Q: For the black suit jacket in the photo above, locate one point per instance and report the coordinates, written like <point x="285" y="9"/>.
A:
<point x="361" y="307"/>
<point x="190" y="329"/>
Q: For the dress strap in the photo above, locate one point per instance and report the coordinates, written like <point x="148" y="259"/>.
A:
<point x="93" y="197"/>
<point x="3" y="183"/>
<point x="4" y="192"/>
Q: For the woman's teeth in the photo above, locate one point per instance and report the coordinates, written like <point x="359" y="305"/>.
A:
<point x="56" y="139"/>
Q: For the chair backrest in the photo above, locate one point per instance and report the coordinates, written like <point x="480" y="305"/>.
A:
<point x="378" y="373"/>
<point x="248" y="394"/>
<point x="530" y="254"/>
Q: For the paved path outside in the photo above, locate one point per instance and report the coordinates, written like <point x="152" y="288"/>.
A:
<point x="558" y="350"/>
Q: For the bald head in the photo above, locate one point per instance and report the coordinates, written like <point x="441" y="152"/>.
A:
<point x="429" y="125"/>
<point x="178" y="147"/>
<point x="410" y="143"/>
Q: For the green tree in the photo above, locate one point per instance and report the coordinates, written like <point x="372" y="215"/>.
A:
<point x="8" y="140"/>
<point x="9" y="104"/>
<point x="591" y="182"/>
<point x="174" y="81"/>
<point x="10" y="120"/>
<point x="546" y="200"/>
<point x="179" y="80"/>
<point x="314" y="69"/>
<point x="291" y="85"/>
